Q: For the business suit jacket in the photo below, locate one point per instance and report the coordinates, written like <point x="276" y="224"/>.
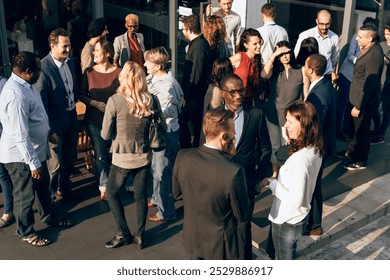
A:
<point x="54" y="97"/>
<point x="122" y="48"/>
<point x="366" y="80"/>
<point x="214" y="201"/>
<point x="323" y="98"/>
<point x="254" y="133"/>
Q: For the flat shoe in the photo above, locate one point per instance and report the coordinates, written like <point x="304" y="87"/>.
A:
<point x="138" y="242"/>
<point x="155" y="218"/>
<point x="35" y="241"/>
<point x="65" y="223"/>
<point x="118" y="241"/>
<point x="6" y="223"/>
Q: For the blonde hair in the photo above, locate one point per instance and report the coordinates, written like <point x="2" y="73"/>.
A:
<point x="132" y="17"/>
<point x="132" y="84"/>
<point x="158" y="56"/>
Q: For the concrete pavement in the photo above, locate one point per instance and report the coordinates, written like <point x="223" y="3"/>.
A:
<point x="353" y="200"/>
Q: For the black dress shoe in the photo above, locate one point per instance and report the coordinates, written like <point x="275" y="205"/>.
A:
<point x="118" y="241"/>
<point x="138" y="242"/>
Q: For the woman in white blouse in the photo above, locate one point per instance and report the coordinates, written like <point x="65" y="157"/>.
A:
<point x="294" y="187"/>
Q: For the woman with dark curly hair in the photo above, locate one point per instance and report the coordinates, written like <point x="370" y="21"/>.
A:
<point x="293" y="188"/>
<point x="247" y="63"/>
<point x="214" y="31"/>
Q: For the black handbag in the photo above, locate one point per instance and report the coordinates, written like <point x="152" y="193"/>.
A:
<point x="157" y="132"/>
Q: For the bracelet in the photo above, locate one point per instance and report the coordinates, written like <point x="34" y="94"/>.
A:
<point x="270" y="180"/>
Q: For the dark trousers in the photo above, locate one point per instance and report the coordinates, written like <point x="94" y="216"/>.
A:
<point x="116" y="181"/>
<point x="192" y="113"/>
<point x="24" y="187"/>
<point x="381" y="125"/>
<point x="245" y="242"/>
<point x="343" y="114"/>
<point x="359" y="144"/>
<point x="63" y="154"/>
<point x="6" y="185"/>
<point x="315" y="213"/>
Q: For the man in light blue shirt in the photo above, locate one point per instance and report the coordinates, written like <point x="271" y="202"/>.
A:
<point x="328" y="42"/>
<point x="24" y="147"/>
<point x="270" y="32"/>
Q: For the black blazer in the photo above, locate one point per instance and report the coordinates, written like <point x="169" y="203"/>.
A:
<point x="211" y="187"/>
<point x="323" y="98"/>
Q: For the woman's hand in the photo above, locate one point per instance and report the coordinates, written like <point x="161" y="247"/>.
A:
<point x="101" y="106"/>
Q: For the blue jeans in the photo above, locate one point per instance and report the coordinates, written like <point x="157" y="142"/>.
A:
<point x="6" y="185"/>
<point x="24" y="196"/>
<point x="63" y="154"/>
<point x="285" y="237"/>
<point x="116" y="181"/>
<point x="162" y="168"/>
<point x="102" y="157"/>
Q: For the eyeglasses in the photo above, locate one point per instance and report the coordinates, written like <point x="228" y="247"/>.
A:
<point x="132" y="26"/>
<point x="232" y="92"/>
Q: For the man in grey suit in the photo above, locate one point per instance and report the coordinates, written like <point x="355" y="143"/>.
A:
<point x="129" y="46"/>
<point x="57" y="86"/>
<point x="213" y="190"/>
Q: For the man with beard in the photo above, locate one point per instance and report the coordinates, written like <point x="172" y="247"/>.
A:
<point x="57" y="86"/>
<point x="213" y="190"/>
<point x="248" y="122"/>
<point x="328" y="42"/>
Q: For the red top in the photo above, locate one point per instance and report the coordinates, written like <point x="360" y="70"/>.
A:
<point x="247" y="72"/>
<point x="135" y="51"/>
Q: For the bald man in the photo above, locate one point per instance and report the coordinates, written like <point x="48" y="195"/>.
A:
<point x="129" y="46"/>
<point x="328" y="42"/>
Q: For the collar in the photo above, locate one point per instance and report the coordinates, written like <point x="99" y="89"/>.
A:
<point x="57" y="62"/>
<point x="238" y="112"/>
<point x="314" y="83"/>
<point x="21" y="81"/>
<point x="271" y="22"/>
<point x="212" y="147"/>
<point x="318" y="35"/>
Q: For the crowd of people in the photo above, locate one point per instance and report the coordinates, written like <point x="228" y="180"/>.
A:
<point x="250" y="113"/>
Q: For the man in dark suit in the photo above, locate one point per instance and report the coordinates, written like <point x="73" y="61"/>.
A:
<point x="57" y="86"/>
<point x="364" y="96"/>
<point x="249" y="134"/>
<point x="323" y="97"/>
<point x="196" y="71"/>
<point x="215" y="196"/>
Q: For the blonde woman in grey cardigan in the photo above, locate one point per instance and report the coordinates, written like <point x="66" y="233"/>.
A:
<point x="127" y="121"/>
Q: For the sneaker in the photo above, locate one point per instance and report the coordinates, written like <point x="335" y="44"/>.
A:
<point x="355" y="165"/>
<point x="343" y="154"/>
<point x="377" y="140"/>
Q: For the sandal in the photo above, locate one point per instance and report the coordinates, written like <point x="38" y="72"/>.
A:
<point x="35" y="241"/>
<point x="65" y="223"/>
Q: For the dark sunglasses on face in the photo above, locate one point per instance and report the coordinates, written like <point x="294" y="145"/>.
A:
<point x="240" y="91"/>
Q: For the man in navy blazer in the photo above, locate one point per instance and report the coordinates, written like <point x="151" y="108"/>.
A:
<point x="323" y="97"/>
<point x="249" y="135"/>
<point x="57" y="86"/>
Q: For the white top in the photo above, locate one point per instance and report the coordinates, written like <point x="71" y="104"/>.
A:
<point x="25" y="124"/>
<point x="271" y="34"/>
<point x="328" y="46"/>
<point x="293" y="190"/>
